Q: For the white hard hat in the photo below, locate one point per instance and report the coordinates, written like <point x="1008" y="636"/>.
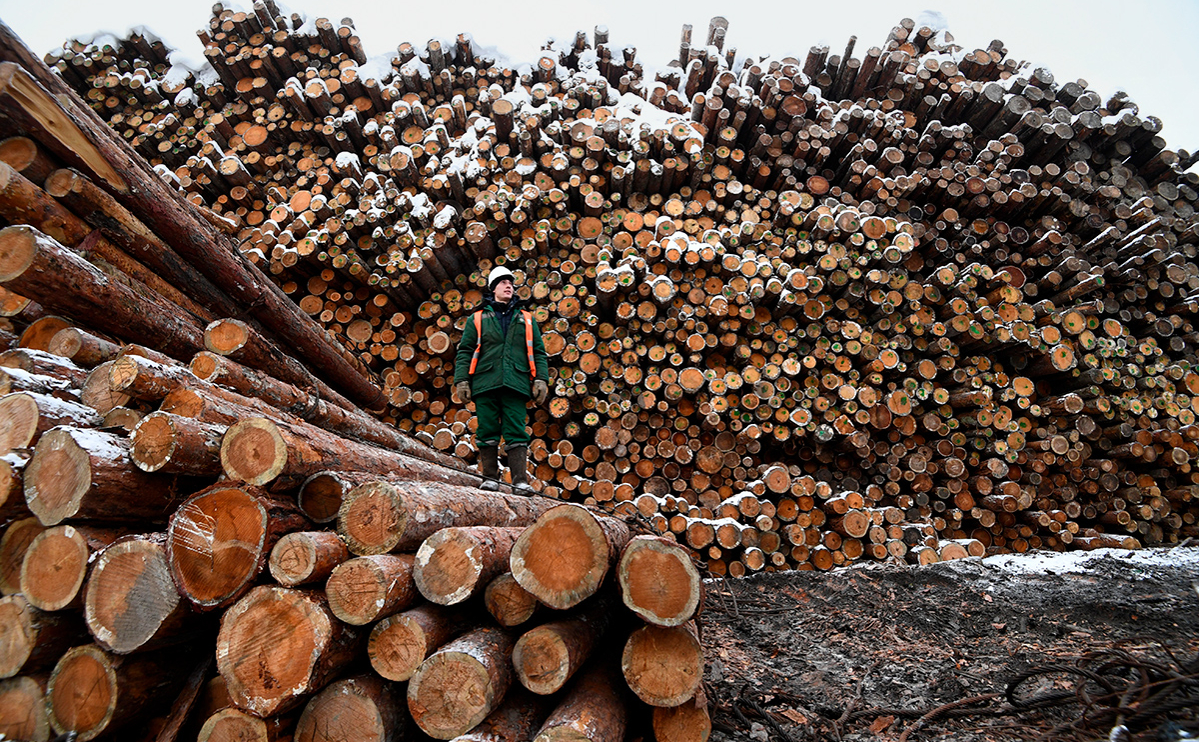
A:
<point x="498" y="274"/>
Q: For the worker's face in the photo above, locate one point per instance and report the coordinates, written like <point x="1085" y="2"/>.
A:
<point x="503" y="290"/>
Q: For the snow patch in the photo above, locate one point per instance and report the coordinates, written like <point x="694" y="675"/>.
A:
<point x="1080" y="562"/>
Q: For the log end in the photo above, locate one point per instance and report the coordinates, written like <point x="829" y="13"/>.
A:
<point x="449" y="694"/>
<point x="542" y="661"/>
<point x="663" y="666"/>
<point x="321" y="495"/>
<point x="215" y="545"/>
<point x="57" y="477"/>
<point x="226" y="336"/>
<point x="507" y="602"/>
<point x="18" y="421"/>
<point x="689" y="722"/>
<point x="23" y="710"/>
<point x="81" y="695"/>
<point x="359" y="709"/>
<point x="448" y="567"/>
<point x="253" y="451"/>
<point x="397" y="646"/>
<point x="361" y="590"/>
<point x="234" y="725"/>
<point x="16" y="634"/>
<point x="55" y="566"/>
<point x="371" y="518"/>
<point x="154" y="442"/>
<point x="562" y="558"/>
<point x="658" y="581"/>
<point x="18" y="247"/>
<point x="13" y="545"/>
<point x="129" y="595"/>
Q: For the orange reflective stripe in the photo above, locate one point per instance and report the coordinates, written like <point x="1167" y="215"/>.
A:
<point x="474" y="360"/>
<point x="529" y="342"/>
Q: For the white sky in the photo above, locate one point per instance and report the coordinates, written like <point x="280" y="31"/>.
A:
<point x="1149" y="48"/>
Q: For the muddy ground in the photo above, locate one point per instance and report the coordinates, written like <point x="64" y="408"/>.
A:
<point x="860" y="654"/>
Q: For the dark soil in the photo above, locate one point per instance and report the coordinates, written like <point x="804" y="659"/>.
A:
<point x="861" y="654"/>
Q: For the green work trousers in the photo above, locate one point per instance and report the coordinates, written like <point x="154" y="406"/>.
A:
<point x="501" y="413"/>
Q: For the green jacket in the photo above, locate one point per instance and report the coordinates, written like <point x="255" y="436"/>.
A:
<point x="503" y="362"/>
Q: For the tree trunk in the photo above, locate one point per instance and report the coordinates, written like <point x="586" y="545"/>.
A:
<point x="365" y="589"/>
<point x="401" y="642"/>
<point x="321" y="494"/>
<point x="593" y="709"/>
<point x="461" y="683"/>
<point x="24" y="416"/>
<point x="548" y="656"/>
<point x="663" y="666"/>
<point x="364" y="708"/>
<point x="659" y="582"/>
<point x="276" y="645"/>
<point x="219" y="540"/>
<point x="31" y="639"/>
<point x="458" y="562"/>
<point x="564" y="556"/>
<point x="509" y="603"/>
<point x="305" y="557"/>
<point x="177" y="445"/>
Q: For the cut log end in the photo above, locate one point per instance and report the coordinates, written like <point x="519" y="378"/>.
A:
<point x="663" y="666"/>
<point x="153" y="442"/>
<point x="253" y="451"/>
<point x="16" y="634"/>
<point x="460" y="684"/>
<point x="55" y="566"/>
<point x="225" y="336"/>
<point x="215" y="544"/>
<point x="659" y="582"/>
<point x="368" y="588"/>
<point x="57" y="477"/>
<point x="82" y="693"/>
<point x="542" y="661"/>
<point x="129" y="595"/>
<point x="321" y="495"/>
<point x="18" y="246"/>
<point x="23" y="710"/>
<point x="371" y="518"/>
<point x="235" y="725"/>
<point x="18" y="421"/>
<point x="563" y="557"/>
<point x="507" y="602"/>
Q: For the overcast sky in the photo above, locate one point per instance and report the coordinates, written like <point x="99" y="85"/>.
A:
<point x="1149" y="48"/>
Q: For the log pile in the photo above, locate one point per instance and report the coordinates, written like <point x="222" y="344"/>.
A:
<point x="921" y="305"/>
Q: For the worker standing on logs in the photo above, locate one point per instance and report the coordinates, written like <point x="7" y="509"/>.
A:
<point x="501" y="364"/>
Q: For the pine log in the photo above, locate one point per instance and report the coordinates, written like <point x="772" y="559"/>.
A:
<point x="24" y="416"/>
<point x="363" y="708"/>
<point x="35" y="265"/>
<point x="77" y="136"/>
<point x="321" y="494"/>
<point x="176" y="445"/>
<point x="235" y="725"/>
<point x="32" y="640"/>
<point x="242" y="343"/>
<point x="658" y="581"/>
<point x="91" y="692"/>
<point x="23" y="708"/>
<point x="23" y="202"/>
<point x="38" y="334"/>
<point x="304" y="557"/>
<point x="58" y="562"/>
<point x="146" y="379"/>
<point x="76" y="473"/>
<point x="12" y="493"/>
<point x="261" y="450"/>
<point x="367" y="588"/>
<point x="13" y="544"/>
<point x="399" y="643"/>
<point x="97" y="392"/>
<point x="125" y="418"/>
<point x="276" y="645"/>
<point x="383" y="516"/>
<point x="548" y="656"/>
<point x="593" y="709"/>
<point x="509" y="603"/>
<point x="23" y="155"/>
<point x="131" y="603"/>
<point x="687" y="722"/>
<point x="517" y="719"/>
<point x="663" y="666"/>
<point x="219" y="540"/>
<point x="564" y="556"/>
<point x="457" y="563"/>
<point x="16" y="380"/>
<point x="46" y="364"/>
<point x="461" y="683"/>
<point x="82" y="348"/>
<point x="98" y="208"/>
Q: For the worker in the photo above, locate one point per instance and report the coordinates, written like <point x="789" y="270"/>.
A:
<point x="501" y="364"/>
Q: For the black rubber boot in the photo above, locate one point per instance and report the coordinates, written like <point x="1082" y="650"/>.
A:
<point x="489" y="466"/>
<point x="517" y="463"/>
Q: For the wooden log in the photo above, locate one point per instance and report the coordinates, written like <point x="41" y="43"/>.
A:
<point x="42" y="363"/>
<point x="260" y="450"/>
<point x="12" y="494"/>
<point x="399" y="643"/>
<point x="548" y="656"/>
<point x="659" y="582"/>
<point x="458" y="562"/>
<point x="32" y="640"/>
<point x="24" y="416"/>
<point x="219" y="540"/>
<point x="23" y="708"/>
<point x="13" y="544"/>
<point x="461" y="683"/>
<point x="509" y="603"/>
<point x="593" y="709"/>
<point x="235" y="725"/>
<point x="304" y="557"/>
<point x="37" y="334"/>
<point x="383" y="516"/>
<point x="82" y="348"/>
<point x="23" y="155"/>
<point x="91" y="692"/>
<point x="517" y="718"/>
<point x="77" y="473"/>
<point x="74" y="134"/>
<point x="176" y="445"/>
<point x="277" y="645"/>
<point x="16" y="380"/>
<point x="97" y="392"/>
<point x="687" y="722"/>
<point x="130" y="603"/>
<point x="321" y="494"/>
<point x="57" y="564"/>
<point x="363" y="707"/>
<point x="35" y="265"/>
<point x="663" y="666"/>
<point x="563" y="557"/>
<point x="364" y="589"/>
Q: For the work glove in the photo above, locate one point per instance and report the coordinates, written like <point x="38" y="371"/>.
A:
<point x="540" y="391"/>
<point x="463" y="390"/>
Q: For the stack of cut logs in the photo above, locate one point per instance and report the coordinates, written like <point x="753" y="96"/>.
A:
<point x="920" y="305"/>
